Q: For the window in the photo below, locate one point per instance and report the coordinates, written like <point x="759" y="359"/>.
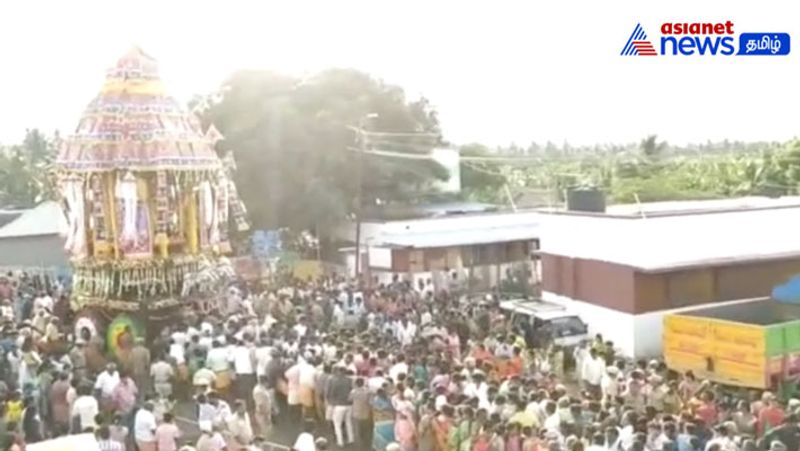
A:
<point x="567" y="326"/>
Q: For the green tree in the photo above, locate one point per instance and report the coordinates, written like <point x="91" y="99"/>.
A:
<point x="25" y="176"/>
<point x="651" y="148"/>
<point x="480" y="181"/>
<point x="293" y="141"/>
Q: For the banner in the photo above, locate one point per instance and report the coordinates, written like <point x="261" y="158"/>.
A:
<point x="248" y="268"/>
<point x="265" y="244"/>
<point x="305" y="269"/>
<point x="789" y="292"/>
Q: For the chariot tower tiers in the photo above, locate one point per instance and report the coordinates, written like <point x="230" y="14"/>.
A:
<point x="147" y="198"/>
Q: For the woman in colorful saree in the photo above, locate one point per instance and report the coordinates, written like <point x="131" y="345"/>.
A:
<point x="442" y="428"/>
<point x="405" y="430"/>
<point x="461" y="436"/>
<point x="425" y="432"/>
<point x="383" y="417"/>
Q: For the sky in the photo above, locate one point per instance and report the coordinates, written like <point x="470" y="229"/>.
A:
<point x="497" y="71"/>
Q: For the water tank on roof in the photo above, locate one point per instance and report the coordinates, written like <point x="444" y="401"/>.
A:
<point x="586" y="199"/>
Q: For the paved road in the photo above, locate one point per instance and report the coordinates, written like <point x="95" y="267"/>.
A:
<point x="284" y="433"/>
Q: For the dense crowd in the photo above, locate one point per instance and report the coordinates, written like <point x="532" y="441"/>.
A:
<point x="399" y="366"/>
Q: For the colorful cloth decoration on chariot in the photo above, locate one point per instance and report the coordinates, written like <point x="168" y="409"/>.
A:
<point x="122" y="334"/>
<point x="146" y="195"/>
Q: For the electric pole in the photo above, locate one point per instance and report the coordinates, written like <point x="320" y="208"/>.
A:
<point x="362" y="146"/>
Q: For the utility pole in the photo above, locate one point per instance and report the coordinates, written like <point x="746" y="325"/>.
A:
<point x="362" y="146"/>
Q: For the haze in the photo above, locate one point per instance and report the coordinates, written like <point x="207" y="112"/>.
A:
<point x="497" y="71"/>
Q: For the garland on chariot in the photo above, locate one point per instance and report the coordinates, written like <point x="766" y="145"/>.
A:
<point x="149" y="202"/>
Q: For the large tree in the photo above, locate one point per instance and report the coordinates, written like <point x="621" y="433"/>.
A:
<point x="25" y="171"/>
<point x="294" y="142"/>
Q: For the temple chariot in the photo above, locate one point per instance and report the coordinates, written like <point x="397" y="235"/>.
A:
<point x="149" y="202"/>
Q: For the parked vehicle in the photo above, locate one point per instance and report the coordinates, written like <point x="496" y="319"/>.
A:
<point x="754" y="344"/>
<point x="545" y="321"/>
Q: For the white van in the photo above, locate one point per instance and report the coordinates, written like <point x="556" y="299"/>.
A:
<point x="566" y="329"/>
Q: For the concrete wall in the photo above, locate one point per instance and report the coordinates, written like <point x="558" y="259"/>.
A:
<point x="634" y="335"/>
<point x="625" y="289"/>
<point x="673" y="240"/>
<point x="479" y="278"/>
<point x="372" y="231"/>
<point x="33" y="251"/>
<point x="380" y="258"/>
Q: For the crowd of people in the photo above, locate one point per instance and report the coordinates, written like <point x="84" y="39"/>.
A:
<point x="398" y="366"/>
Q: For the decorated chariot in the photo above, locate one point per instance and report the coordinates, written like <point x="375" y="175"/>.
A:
<point x="149" y="202"/>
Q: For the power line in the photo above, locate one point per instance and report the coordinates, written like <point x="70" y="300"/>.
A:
<point x="485" y="171"/>
<point x="400" y="134"/>
<point x="503" y="158"/>
<point x="421" y="147"/>
<point x="392" y="154"/>
<point x="397" y="154"/>
<point x="477" y="168"/>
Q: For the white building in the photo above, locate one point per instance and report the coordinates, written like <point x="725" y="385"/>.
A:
<point x="625" y="269"/>
<point x="481" y="246"/>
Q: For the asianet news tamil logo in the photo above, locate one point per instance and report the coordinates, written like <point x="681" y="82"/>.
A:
<point x="706" y="39"/>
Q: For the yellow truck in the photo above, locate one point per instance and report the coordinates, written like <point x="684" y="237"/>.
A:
<point x="753" y="344"/>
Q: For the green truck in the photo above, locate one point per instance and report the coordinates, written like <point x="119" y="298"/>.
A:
<point x="753" y="344"/>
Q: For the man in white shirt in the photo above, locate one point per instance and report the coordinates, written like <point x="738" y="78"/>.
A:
<point x="106" y="382"/>
<point x="593" y="369"/>
<point x="478" y="388"/>
<point x="305" y="441"/>
<point x="180" y="337"/>
<point x="43" y="302"/>
<point x="627" y="433"/>
<point x="162" y="373"/>
<point x="405" y="332"/>
<point x="401" y="367"/>
<point x="441" y="397"/>
<point x="534" y="408"/>
<point x="581" y="354"/>
<point x="206" y="327"/>
<point x="144" y="428"/>
<point x="239" y="426"/>
<point x="6" y="310"/>
<point x="223" y="410"/>
<point x="358" y="305"/>
<point x="218" y="359"/>
<point x="553" y="421"/>
<point x="426" y="317"/>
<point x="329" y="351"/>
<point x="85" y="407"/>
<point x="610" y="384"/>
<point x="243" y="360"/>
<point x="177" y="352"/>
<point x="192" y="331"/>
<point x="269" y="321"/>
<point x="247" y="307"/>
<point x="300" y="328"/>
<point x="376" y="382"/>
<point x="263" y="356"/>
<point x="338" y="314"/>
<point x="307" y="378"/>
<point x="206" y="340"/>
